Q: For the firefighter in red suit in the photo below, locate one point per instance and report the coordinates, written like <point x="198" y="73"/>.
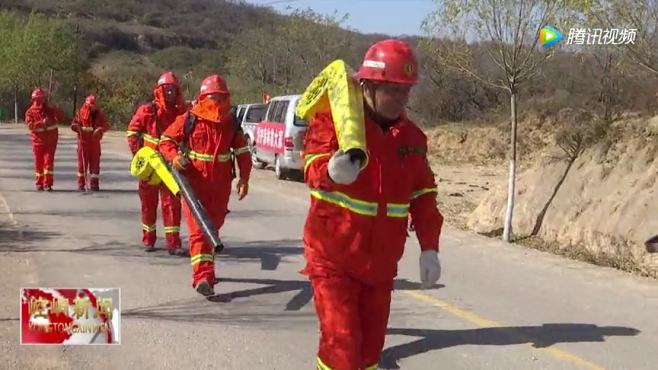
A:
<point x="42" y="120"/>
<point x="90" y="124"/>
<point x="204" y="157"/>
<point x="145" y="129"/>
<point x="360" y="202"/>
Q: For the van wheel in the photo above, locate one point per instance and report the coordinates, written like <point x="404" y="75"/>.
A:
<point x="254" y="159"/>
<point x="278" y="170"/>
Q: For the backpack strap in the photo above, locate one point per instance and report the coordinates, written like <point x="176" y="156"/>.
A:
<point x="154" y="109"/>
<point x="188" y="127"/>
<point x="237" y="128"/>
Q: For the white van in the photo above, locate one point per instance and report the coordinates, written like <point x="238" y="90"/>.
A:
<point x="279" y="138"/>
<point x="249" y="116"/>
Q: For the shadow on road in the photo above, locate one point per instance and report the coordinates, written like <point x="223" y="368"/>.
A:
<point x="194" y="311"/>
<point x="304" y="295"/>
<point x="17" y="239"/>
<point x="302" y="287"/>
<point x="269" y="252"/>
<point x="538" y="336"/>
<point x="191" y="310"/>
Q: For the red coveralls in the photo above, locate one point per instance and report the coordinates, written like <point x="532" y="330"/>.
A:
<point x="210" y="175"/>
<point x="355" y="234"/>
<point x="90" y="124"/>
<point x="44" y="140"/>
<point x="145" y="128"/>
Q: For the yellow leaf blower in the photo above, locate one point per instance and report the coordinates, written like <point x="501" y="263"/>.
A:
<point x="149" y="166"/>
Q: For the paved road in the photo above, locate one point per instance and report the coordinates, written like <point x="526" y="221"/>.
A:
<point x="497" y="307"/>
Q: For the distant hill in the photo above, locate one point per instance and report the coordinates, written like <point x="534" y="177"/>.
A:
<point x="146" y="25"/>
<point x="126" y="44"/>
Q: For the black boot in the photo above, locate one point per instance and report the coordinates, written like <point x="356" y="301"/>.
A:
<point x="219" y="248"/>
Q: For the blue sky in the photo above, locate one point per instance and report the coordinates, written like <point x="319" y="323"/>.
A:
<point x="391" y="17"/>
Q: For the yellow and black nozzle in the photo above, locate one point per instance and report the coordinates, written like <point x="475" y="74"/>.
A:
<point x="334" y="89"/>
<point x="149" y="166"/>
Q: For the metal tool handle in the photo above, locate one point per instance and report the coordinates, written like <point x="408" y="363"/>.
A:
<point x="198" y="211"/>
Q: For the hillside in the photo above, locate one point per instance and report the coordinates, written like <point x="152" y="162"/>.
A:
<point x="606" y="206"/>
<point x="124" y="45"/>
<point x="152" y="24"/>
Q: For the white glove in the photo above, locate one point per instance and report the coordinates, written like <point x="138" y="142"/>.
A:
<point x="430" y="268"/>
<point x="342" y="169"/>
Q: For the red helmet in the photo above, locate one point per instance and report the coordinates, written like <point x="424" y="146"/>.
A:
<point x="38" y="94"/>
<point x="389" y="61"/>
<point x="214" y="84"/>
<point x="90" y="101"/>
<point x="168" y="78"/>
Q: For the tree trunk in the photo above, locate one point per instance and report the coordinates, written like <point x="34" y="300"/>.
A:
<point x="542" y="214"/>
<point x="507" y="230"/>
<point x="50" y="85"/>
<point x="15" y="103"/>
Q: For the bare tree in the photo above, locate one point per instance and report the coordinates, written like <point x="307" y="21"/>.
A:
<point x="639" y="17"/>
<point x="283" y="57"/>
<point x="578" y="131"/>
<point x="509" y="30"/>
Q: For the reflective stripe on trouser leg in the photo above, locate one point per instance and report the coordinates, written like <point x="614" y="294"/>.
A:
<point x="81" y="165"/>
<point x="38" y="179"/>
<point x="201" y="253"/>
<point x="214" y="197"/>
<point x="202" y="258"/>
<point x="171" y="216"/>
<point x="149" y="235"/>
<point x="148" y="196"/>
<point x="49" y="163"/>
<point x="38" y="151"/>
<point x="48" y="179"/>
<point x="94" y="155"/>
<point x="172" y="234"/>
<point x="322" y="365"/>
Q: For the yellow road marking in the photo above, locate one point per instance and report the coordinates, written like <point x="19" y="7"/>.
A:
<point x="482" y="322"/>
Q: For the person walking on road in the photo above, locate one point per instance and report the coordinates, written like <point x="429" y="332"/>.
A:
<point x="42" y="119"/>
<point x="199" y="144"/>
<point x="356" y="226"/>
<point x="90" y="124"/>
<point x="145" y="128"/>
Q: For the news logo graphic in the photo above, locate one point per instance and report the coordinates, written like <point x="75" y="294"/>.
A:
<point x="70" y="316"/>
<point x="549" y="36"/>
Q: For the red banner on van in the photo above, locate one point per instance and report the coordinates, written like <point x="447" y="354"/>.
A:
<point x="269" y="137"/>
